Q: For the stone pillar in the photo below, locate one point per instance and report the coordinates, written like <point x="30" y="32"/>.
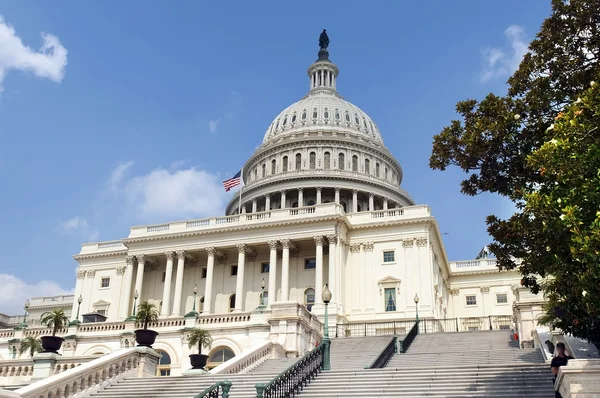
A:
<point x="139" y="278"/>
<point x="332" y="268"/>
<point x="300" y="197"/>
<point x="371" y="202"/>
<point x="354" y="201"/>
<point x="44" y="364"/>
<point x="272" y="272"/>
<point x="126" y="298"/>
<point x="318" y="195"/>
<point x="179" y="282"/>
<point x="283" y="204"/>
<point x="254" y="205"/>
<point x="244" y="208"/>
<point x="285" y="270"/>
<point x="385" y="204"/>
<point x="167" y="288"/>
<point x="267" y="202"/>
<point x="239" y="282"/>
<point x="319" y="270"/>
<point x="210" y="266"/>
<point x="337" y="196"/>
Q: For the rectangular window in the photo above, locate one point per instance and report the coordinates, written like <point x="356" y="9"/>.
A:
<point x="389" y="256"/>
<point x="203" y="273"/>
<point x="264" y="268"/>
<point x="234" y="270"/>
<point x="310" y="263"/>
<point x="105" y="282"/>
<point x="390" y="299"/>
<point x="504" y="327"/>
<point x="501" y="298"/>
<point x="471" y="300"/>
<point x="164" y="276"/>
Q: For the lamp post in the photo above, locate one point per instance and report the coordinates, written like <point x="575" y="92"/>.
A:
<point x="76" y="320"/>
<point x="326" y="296"/>
<point x="417" y="310"/>
<point x="195" y="293"/>
<point x="262" y="294"/>
<point x="135" y="297"/>
<point x="23" y="324"/>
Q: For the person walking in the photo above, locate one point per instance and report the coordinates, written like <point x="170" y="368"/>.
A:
<point x="561" y="359"/>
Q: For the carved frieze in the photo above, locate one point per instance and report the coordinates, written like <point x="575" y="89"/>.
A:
<point x="127" y="340"/>
<point x="485" y="289"/>
<point x="69" y="344"/>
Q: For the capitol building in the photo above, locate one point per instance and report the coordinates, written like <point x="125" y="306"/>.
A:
<point x="322" y="203"/>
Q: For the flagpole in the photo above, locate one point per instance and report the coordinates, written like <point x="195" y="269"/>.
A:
<point x="241" y="189"/>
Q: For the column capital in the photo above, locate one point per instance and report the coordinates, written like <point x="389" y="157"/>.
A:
<point x="141" y="258"/>
<point x="319" y="240"/>
<point x="286" y="243"/>
<point x="371" y="195"/>
<point x="170" y="255"/>
<point x="300" y="189"/>
<point x="368" y="246"/>
<point x="241" y="247"/>
<point x="81" y="274"/>
<point x="354" y="191"/>
<point x="211" y="251"/>
<point x="130" y="260"/>
<point x="332" y="239"/>
<point x="253" y="200"/>
<point x="273" y="244"/>
<point x="282" y="192"/>
<point x="319" y="189"/>
<point x="355" y="247"/>
<point x="180" y="254"/>
<point x="267" y="196"/>
<point x="337" y="189"/>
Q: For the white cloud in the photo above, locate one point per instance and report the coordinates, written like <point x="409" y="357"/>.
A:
<point x="49" y="62"/>
<point x="16" y="292"/>
<point x="172" y="193"/>
<point x="498" y="62"/>
<point x="79" y="225"/>
<point x="212" y="125"/>
<point x="118" y="174"/>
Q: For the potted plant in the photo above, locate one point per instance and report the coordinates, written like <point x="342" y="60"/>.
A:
<point x="31" y="344"/>
<point x="56" y="320"/>
<point x="200" y="338"/>
<point x="146" y="313"/>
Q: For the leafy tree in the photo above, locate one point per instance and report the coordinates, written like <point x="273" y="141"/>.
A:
<point x="31" y="344"/>
<point x="498" y="141"/>
<point x="201" y="338"/>
<point x="146" y="314"/>
<point x="54" y="319"/>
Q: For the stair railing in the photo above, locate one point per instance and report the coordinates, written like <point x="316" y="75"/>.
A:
<point x="404" y="344"/>
<point x="384" y="357"/>
<point x="213" y="391"/>
<point x="293" y="380"/>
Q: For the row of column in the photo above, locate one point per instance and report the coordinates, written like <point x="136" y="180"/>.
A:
<point x="318" y="200"/>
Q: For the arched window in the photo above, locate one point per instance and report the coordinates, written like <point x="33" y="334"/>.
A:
<point x="219" y="355"/>
<point x="341" y="161"/>
<point x="326" y="160"/>
<point x="264" y="298"/>
<point x="264" y="170"/>
<point x="354" y="163"/>
<point x="385" y="173"/>
<point x="312" y="160"/>
<point x="295" y="204"/>
<point x="231" y="303"/>
<point x="309" y="298"/>
<point x="310" y="203"/>
<point x="256" y="173"/>
<point x="377" y="170"/>
<point x="164" y="364"/>
<point x="298" y="161"/>
<point x="367" y="166"/>
<point x="273" y="166"/>
<point x="345" y="207"/>
<point x="201" y="305"/>
<point x="284" y="166"/>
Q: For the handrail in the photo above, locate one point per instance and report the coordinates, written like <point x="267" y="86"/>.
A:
<point x="213" y="391"/>
<point x="414" y="331"/>
<point x="384" y="357"/>
<point x="293" y="380"/>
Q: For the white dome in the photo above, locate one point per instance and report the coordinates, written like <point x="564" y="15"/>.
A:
<point x="323" y="108"/>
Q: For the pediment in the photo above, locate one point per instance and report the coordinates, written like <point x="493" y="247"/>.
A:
<point x="101" y="303"/>
<point x="389" y="280"/>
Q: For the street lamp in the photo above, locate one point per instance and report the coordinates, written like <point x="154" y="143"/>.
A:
<point x="417" y="310"/>
<point x="262" y="294"/>
<point x="76" y="320"/>
<point x="23" y="324"/>
<point x="135" y="297"/>
<point x="326" y="296"/>
<point x="195" y="293"/>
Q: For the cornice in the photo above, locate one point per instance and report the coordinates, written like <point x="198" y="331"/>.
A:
<point x="100" y="254"/>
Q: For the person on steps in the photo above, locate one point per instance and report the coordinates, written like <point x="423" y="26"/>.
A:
<point x="561" y="359"/>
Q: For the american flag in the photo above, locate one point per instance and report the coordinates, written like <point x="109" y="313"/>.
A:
<point x="233" y="181"/>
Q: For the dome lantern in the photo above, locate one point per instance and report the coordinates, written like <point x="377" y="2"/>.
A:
<point x="323" y="73"/>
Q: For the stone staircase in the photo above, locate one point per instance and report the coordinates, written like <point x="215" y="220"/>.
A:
<point x="469" y="364"/>
<point x="354" y="353"/>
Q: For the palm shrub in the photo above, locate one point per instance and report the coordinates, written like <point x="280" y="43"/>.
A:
<point x="146" y="314"/>
<point x="201" y="338"/>
<point x="54" y="319"/>
<point x="31" y="344"/>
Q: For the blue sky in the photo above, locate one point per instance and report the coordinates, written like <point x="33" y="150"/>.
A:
<point x="133" y="114"/>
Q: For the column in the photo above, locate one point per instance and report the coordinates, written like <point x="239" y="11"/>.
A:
<point x="300" y="197"/>
<point x="385" y="204"/>
<point x="318" y="195"/>
<point x="244" y="208"/>
<point x="285" y="270"/>
<point x="125" y="305"/>
<point x="272" y="272"/>
<point x="337" y="196"/>
<point x="253" y="205"/>
<point x="354" y="201"/>
<point x="267" y="202"/>
<point x="283" y="204"/>
<point x="332" y="268"/>
<point x="179" y="282"/>
<point x="167" y="288"/>
<point x="371" y="202"/>
<point x="239" y="282"/>
<point x="139" y="278"/>
<point x="210" y="266"/>
<point x="319" y="270"/>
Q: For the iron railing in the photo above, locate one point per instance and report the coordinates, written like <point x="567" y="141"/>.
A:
<point x="292" y="380"/>
<point x="384" y="357"/>
<point x="407" y="341"/>
<point x="213" y="391"/>
<point x="380" y="328"/>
